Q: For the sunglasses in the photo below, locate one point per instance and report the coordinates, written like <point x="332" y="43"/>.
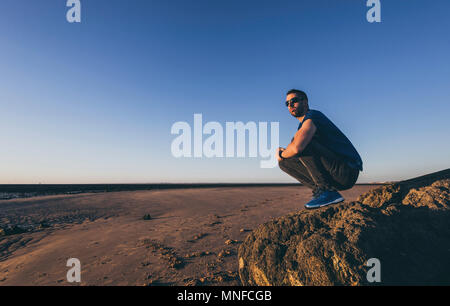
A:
<point x="292" y="101"/>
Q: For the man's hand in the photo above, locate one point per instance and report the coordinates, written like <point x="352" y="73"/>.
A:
<point x="278" y="153"/>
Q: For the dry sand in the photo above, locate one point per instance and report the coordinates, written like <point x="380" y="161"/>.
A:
<point x="192" y="238"/>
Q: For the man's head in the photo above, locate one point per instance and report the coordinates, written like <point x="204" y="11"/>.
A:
<point x="297" y="102"/>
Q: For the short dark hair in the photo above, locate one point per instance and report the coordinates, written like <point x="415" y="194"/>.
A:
<point x="301" y="94"/>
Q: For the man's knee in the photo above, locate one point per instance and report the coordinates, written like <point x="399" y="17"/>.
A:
<point x="286" y="163"/>
<point x="282" y="164"/>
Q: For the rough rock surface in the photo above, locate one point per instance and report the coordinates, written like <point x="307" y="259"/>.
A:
<point x="406" y="225"/>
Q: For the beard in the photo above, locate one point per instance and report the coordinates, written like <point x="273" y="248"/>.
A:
<point x="298" y="112"/>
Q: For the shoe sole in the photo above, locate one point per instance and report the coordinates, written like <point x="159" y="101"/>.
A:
<point x="334" y="202"/>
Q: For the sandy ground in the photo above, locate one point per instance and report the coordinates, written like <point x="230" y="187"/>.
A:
<point x="191" y="239"/>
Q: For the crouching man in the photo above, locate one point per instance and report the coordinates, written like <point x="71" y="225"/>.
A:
<point x="320" y="156"/>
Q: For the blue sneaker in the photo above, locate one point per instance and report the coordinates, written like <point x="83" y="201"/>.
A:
<point x="326" y="197"/>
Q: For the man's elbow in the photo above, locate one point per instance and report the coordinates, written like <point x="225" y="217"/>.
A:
<point x="296" y="150"/>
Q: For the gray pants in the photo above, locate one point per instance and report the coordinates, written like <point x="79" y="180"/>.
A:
<point x="319" y="168"/>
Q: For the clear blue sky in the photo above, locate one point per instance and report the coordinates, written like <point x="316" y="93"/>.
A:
<point x="94" y="102"/>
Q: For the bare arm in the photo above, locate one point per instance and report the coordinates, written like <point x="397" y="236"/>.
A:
<point x="301" y="139"/>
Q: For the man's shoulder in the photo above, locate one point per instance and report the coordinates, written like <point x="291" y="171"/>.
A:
<point x="314" y="114"/>
<point x="319" y="119"/>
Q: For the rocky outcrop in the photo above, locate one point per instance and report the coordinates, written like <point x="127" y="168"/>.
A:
<point x="405" y="225"/>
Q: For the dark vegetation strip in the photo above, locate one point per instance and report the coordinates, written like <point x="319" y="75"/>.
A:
<point x="8" y="191"/>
